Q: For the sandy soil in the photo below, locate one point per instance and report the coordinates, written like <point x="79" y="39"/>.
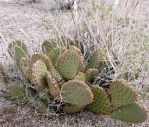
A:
<point x="21" y="20"/>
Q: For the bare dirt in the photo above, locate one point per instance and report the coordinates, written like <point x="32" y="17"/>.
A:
<point x="22" y="20"/>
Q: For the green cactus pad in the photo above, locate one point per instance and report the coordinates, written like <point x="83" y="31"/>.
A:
<point x="23" y="64"/>
<point x="48" y="46"/>
<point x="132" y="113"/>
<point x="55" y="53"/>
<point x="38" y="74"/>
<point x="82" y="65"/>
<point x="42" y="57"/>
<point x="101" y="103"/>
<point x="56" y="75"/>
<point x="71" y="47"/>
<point x="17" y="92"/>
<point x="68" y="64"/>
<point x="25" y="68"/>
<point x="90" y="75"/>
<point x="121" y="94"/>
<point x="54" y="89"/>
<point x="41" y="107"/>
<point x="96" y="60"/>
<point x="76" y="93"/>
<point x="67" y="42"/>
<point x="31" y="92"/>
<point x="17" y="50"/>
<point x="43" y="96"/>
<point x="75" y="43"/>
<point x="80" y="76"/>
<point x="72" y="108"/>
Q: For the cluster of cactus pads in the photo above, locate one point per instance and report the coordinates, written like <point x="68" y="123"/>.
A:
<point x="59" y="79"/>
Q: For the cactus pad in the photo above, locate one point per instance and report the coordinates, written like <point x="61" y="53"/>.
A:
<point x="48" y="46"/>
<point x="55" y="53"/>
<point x="42" y="57"/>
<point x="80" y="76"/>
<point x="75" y="43"/>
<point x="52" y="84"/>
<point x="17" y="50"/>
<point x="76" y="93"/>
<point x="31" y="92"/>
<point x="132" y="113"/>
<point x="68" y="64"/>
<point x="23" y="64"/>
<point x="96" y="60"/>
<point x="17" y="93"/>
<point x="38" y="74"/>
<point x="121" y="94"/>
<point x="71" y="47"/>
<point x="90" y="75"/>
<point x="24" y="67"/>
<point x="41" y="107"/>
<point x="72" y="108"/>
<point x="56" y="75"/>
<point x="101" y="103"/>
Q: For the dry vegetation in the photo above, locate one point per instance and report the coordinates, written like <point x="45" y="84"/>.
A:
<point x="122" y="33"/>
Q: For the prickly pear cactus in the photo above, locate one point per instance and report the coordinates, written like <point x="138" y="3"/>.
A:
<point x="41" y="107"/>
<point x="17" y="93"/>
<point x="25" y="68"/>
<point x="121" y="94"/>
<point x="61" y="80"/>
<point x="38" y="74"/>
<point x="56" y="75"/>
<point x="55" y="53"/>
<point x="96" y="59"/>
<point x="17" y="50"/>
<point x="75" y="44"/>
<point x="48" y="46"/>
<point x="42" y="57"/>
<point x="132" y="113"/>
<point x="80" y="76"/>
<point x="101" y="102"/>
<point x="72" y="108"/>
<point x="54" y="89"/>
<point x="76" y="93"/>
<point x="23" y="65"/>
<point x="90" y="75"/>
<point x="68" y="64"/>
